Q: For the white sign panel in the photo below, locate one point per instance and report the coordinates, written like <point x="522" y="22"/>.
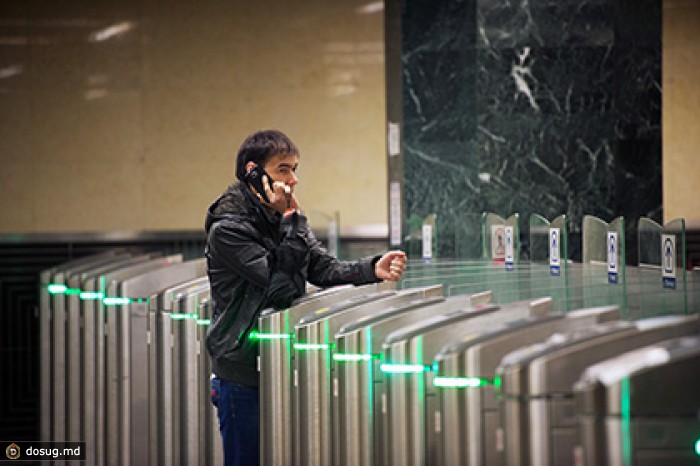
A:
<point x="613" y="264"/>
<point x="393" y="139"/>
<point x="509" y="248"/>
<point x="668" y="261"/>
<point x="554" y="252"/>
<point x="427" y="242"/>
<point x="395" y="213"/>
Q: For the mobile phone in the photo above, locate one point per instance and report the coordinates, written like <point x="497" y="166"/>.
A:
<point x="255" y="178"/>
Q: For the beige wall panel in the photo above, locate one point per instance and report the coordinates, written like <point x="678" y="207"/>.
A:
<point x="17" y="200"/>
<point x="96" y="195"/>
<point x="87" y="126"/>
<point x="115" y="131"/>
<point x="199" y="125"/>
<point x="17" y="132"/>
<point x="681" y="110"/>
<point x="198" y="52"/>
<point x="176" y="196"/>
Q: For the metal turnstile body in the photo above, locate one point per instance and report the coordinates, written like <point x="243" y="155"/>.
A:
<point x="358" y="436"/>
<point x="160" y="355"/>
<point x="467" y="398"/>
<point x="645" y="404"/>
<point x="210" y="443"/>
<point x="186" y="385"/>
<point x="106" y="349"/>
<point x="312" y="365"/>
<point x="47" y="347"/>
<point x="276" y="330"/>
<point x="85" y="359"/>
<point x="550" y="422"/>
<point x="54" y="345"/>
<point x="413" y="421"/>
<point x="128" y="430"/>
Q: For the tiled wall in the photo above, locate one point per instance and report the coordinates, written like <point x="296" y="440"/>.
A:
<point x="127" y="115"/>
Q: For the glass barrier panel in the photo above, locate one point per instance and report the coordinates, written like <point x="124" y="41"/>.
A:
<point x="549" y="259"/>
<point x="468" y="237"/>
<point x="414" y="240"/>
<point x="604" y="280"/>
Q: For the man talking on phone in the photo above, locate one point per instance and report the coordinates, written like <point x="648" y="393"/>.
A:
<point x="261" y="253"/>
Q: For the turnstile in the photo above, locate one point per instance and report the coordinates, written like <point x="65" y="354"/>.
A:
<point x="127" y="381"/>
<point x="274" y="333"/>
<point x="54" y="348"/>
<point x="162" y="306"/>
<point x="413" y="422"/>
<point x="358" y="400"/>
<point x="539" y="421"/>
<point x="466" y="375"/>
<point x="186" y="383"/>
<point x="312" y="365"/>
<point x="211" y="452"/>
<point x="86" y="355"/>
<point x="641" y="408"/>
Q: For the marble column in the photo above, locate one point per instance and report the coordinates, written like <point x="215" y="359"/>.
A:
<point x="542" y="106"/>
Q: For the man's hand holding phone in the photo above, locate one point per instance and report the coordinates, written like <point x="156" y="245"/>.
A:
<point x="276" y="195"/>
<point x="280" y="196"/>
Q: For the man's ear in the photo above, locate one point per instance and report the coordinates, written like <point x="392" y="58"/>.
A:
<point x="249" y="166"/>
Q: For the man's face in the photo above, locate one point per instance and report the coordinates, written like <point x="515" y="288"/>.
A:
<point x="283" y="167"/>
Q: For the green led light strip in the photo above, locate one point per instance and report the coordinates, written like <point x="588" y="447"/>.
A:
<point x="203" y="321"/>
<point x="310" y="346"/>
<point x="697" y="447"/>
<point x="403" y="368"/>
<point x="349" y="357"/>
<point x="56" y="288"/>
<point x="625" y="404"/>
<point x="255" y="335"/>
<point x="183" y="316"/>
<point x="460" y="382"/>
<point x="115" y="301"/>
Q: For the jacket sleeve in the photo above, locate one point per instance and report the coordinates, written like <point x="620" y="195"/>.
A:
<point x="326" y="270"/>
<point x="277" y="269"/>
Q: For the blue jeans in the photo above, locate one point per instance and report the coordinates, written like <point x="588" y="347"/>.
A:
<point x="238" y="410"/>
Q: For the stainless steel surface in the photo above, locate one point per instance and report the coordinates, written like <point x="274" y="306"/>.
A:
<point x="537" y="384"/>
<point x="160" y="361"/>
<point x="313" y="366"/>
<point x="210" y="447"/>
<point x="355" y="419"/>
<point x="653" y="410"/>
<point x="357" y="407"/>
<point x="277" y="437"/>
<point x="91" y="354"/>
<point x="514" y="376"/>
<point x="404" y="419"/>
<point x="132" y="337"/>
<point x="114" y="451"/>
<point x="414" y="418"/>
<point x="468" y="409"/>
<point x="58" y="359"/>
<point x="552" y="376"/>
<point x="656" y="389"/>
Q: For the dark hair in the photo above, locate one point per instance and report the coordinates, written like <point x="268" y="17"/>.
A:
<point x="260" y="146"/>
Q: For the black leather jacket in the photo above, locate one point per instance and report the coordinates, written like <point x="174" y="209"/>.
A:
<point x="257" y="259"/>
